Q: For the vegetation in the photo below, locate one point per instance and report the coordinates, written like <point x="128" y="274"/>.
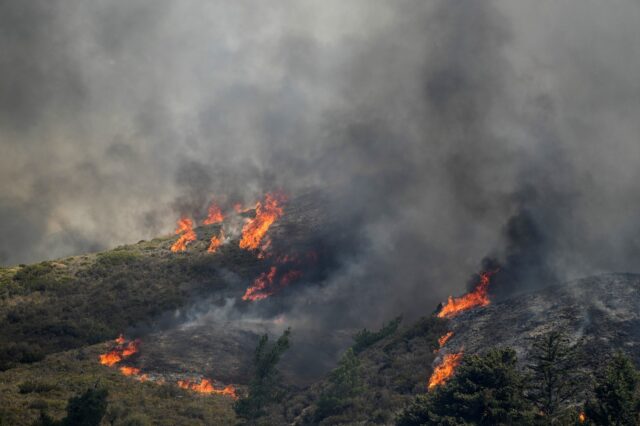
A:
<point x="616" y="399"/>
<point x="365" y="338"/>
<point x="554" y="378"/>
<point x="265" y="387"/>
<point x="344" y="384"/>
<point x="486" y="390"/>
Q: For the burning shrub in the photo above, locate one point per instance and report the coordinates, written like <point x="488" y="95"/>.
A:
<point x="486" y="389"/>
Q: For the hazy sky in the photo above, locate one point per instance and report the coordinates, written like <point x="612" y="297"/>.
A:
<point x="453" y="128"/>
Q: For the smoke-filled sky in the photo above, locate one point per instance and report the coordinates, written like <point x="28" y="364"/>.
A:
<point x="445" y="131"/>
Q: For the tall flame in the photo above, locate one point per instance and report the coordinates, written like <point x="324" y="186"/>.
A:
<point x="215" y="215"/>
<point x="478" y="297"/>
<point x="216" y="242"/>
<point x="444" y="370"/>
<point x="205" y="386"/>
<point x="186" y="232"/>
<point x="120" y="352"/>
<point x="266" y="213"/>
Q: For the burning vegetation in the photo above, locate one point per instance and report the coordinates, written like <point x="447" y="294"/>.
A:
<point x="476" y="298"/>
<point x="186" y="232"/>
<point x="205" y="386"/>
<point x="267" y="213"/>
<point x="123" y="350"/>
<point x="444" y="370"/>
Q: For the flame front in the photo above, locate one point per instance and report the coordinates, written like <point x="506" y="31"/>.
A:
<point x="205" y="386"/>
<point x="216" y="242"/>
<point x="186" y="232"/>
<point x="444" y="370"/>
<point x="120" y="352"/>
<point x="266" y="213"/>
<point x="442" y="340"/>
<point x="261" y="286"/>
<point x="215" y="215"/>
<point x="478" y="297"/>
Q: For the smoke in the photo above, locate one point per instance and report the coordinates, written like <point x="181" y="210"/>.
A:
<point x="438" y="133"/>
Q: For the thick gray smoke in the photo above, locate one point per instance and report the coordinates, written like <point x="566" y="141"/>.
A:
<point x="442" y="132"/>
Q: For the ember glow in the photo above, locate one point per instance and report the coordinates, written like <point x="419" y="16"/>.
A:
<point x="215" y="215"/>
<point x="478" y="297"/>
<point x="261" y="286"/>
<point x="123" y="350"/>
<point x="442" y="340"/>
<point x="205" y="386"/>
<point x="444" y="370"/>
<point x="186" y="232"/>
<point x="582" y="417"/>
<point x="267" y="213"/>
<point x="216" y="242"/>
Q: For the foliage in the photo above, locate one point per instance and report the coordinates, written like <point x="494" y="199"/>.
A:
<point x="344" y="384"/>
<point x="486" y="390"/>
<point x="616" y="400"/>
<point x="554" y="379"/>
<point x="265" y="386"/>
<point x="87" y="409"/>
<point x="365" y="338"/>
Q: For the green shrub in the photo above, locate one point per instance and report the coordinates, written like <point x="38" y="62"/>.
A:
<point x="365" y="338"/>
<point x="31" y="386"/>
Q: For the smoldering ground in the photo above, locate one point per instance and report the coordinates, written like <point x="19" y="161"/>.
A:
<point x="432" y="129"/>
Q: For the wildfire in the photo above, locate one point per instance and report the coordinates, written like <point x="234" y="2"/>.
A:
<point x="215" y="215"/>
<point x="444" y="370"/>
<point x="478" y="297"/>
<point x="120" y="352"/>
<point x="266" y="284"/>
<point x="216" y="242"/>
<point x="442" y="340"/>
<point x="267" y="212"/>
<point x="186" y="232"/>
<point x="205" y="386"/>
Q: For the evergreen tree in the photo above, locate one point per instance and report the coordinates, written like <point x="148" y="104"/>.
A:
<point x="486" y="390"/>
<point x="616" y="399"/>
<point x="344" y="383"/>
<point x="554" y="378"/>
<point x="87" y="409"/>
<point x="265" y="386"/>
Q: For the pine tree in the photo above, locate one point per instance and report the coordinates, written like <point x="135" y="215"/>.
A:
<point x="616" y="399"/>
<point x="87" y="409"/>
<point x="486" y="390"/>
<point x="265" y="386"/>
<point x="344" y="383"/>
<point x="554" y="378"/>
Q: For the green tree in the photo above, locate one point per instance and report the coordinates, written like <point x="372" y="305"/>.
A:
<point x="87" y="409"/>
<point x="615" y="399"/>
<point x="365" y="338"/>
<point x="486" y="390"/>
<point x="265" y="386"/>
<point x="554" y="378"/>
<point x="344" y="383"/>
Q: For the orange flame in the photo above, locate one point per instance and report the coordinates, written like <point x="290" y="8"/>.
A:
<point x="582" y="417"/>
<point x="129" y="371"/>
<point x="444" y="370"/>
<point x="478" y="297"/>
<point x="216" y="242"/>
<point x="119" y="353"/>
<point x="185" y="227"/>
<point x="215" y="215"/>
<point x="205" y="386"/>
<point x="442" y="340"/>
<point x="260" y="288"/>
<point x="266" y="213"/>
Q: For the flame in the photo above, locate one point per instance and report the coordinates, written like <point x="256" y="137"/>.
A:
<point x="582" y="417"/>
<point x="478" y="297"/>
<point x="129" y="371"/>
<point x="185" y="227"/>
<point x="442" y="340"/>
<point x="239" y="209"/>
<point x="266" y="284"/>
<point x="205" y="386"/>
<point x="215" y="215"/>
<point x="444" y="370"/>
<point x="266" y="213"/>
<point x="260" y="288"/>
<point x="216" y="242"/>
<point x="120" y="352"/>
